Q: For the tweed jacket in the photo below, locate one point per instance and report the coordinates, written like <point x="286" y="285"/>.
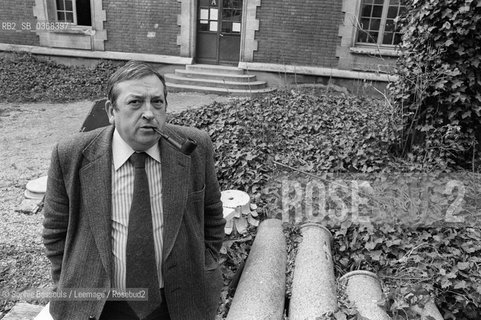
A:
<point x="77" y="224"/>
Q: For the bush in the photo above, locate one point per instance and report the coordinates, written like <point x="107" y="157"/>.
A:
<point x="439" y="87"/>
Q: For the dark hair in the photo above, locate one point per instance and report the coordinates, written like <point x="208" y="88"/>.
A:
<point x="130" y="71"/>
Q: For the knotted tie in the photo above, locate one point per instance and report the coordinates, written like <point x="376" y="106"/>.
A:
<point x="141" y="265"/>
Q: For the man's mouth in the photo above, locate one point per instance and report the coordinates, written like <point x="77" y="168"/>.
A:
<point x="150" y="127"/>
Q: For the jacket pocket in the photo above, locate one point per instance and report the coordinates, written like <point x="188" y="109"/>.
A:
<point x="196" y="196"/>
<point x="211" y="262"/>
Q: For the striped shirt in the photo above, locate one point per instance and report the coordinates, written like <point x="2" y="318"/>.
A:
<point x="122" y="193"/>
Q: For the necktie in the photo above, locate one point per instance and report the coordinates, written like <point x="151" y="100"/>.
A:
<point x="141" y="265"/>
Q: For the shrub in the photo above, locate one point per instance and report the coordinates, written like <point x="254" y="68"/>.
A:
<point x="439" y="87"/>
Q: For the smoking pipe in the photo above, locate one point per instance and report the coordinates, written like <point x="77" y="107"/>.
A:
<point x="186" y="147"/>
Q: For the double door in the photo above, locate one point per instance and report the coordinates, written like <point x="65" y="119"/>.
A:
<point x="219" y="25"/>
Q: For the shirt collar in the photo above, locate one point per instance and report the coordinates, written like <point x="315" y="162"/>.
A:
<point x="121" y="151"/>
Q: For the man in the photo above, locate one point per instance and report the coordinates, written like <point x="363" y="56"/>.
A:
<point x="96" y="232"/>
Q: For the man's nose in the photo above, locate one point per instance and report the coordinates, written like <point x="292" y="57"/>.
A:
<point x="148" y="113"/>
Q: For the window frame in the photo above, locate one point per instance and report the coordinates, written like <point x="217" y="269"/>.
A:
<point x="74" y="12"/>
<point x="382" y="26"/>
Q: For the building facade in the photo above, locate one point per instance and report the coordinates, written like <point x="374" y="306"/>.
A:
<point x="318" y="37"/>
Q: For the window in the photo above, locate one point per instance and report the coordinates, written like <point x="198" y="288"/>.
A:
<point x="85" y="20"/>
<point x="74" y="11"/>
<point x="225" y="15"/>
<point x="209" y="19"/>
<point x="231" y="16"/>
<point x="376" y="25"/>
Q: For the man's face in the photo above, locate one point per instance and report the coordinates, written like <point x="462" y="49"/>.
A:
<point x="140" y="106"/>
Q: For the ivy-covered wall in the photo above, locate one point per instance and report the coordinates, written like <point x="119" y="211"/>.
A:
<point x="439" y="87"/>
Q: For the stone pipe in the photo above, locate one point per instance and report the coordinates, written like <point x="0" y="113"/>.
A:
<point x="428" y="312"/>
<point x="363" y="288"/>
<point x="314" y="284"/>
<point x="260" y="294"/>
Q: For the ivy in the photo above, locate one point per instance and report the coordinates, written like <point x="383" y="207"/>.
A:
<point x="417" y="265"/>
<point x="439" y="88"/>
<point x="258" y="137"/>
<point x="27" y="78"/>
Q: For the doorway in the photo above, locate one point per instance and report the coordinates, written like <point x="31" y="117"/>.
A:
<point x="219" y="31"/>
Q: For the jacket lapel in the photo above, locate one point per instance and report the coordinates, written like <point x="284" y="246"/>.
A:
<point x="175" y="181"/>
<point x="96" y="179"/>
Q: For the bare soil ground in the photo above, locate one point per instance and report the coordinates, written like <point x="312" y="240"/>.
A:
<point x="27" y="134"/>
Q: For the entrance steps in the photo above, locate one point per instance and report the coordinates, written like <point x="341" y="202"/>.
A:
<point x="215" y="79"/>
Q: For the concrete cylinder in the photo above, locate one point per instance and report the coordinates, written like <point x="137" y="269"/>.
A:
<point x="314" y="284"/>
<point x="363" y="288"/>
<point x="260" y="294"/>
<point x="429" y="312"/>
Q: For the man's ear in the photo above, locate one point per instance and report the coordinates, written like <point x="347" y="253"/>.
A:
<point x="109" y="109"/>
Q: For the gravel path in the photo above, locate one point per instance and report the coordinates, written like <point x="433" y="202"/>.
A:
<point x="27" y="134"/>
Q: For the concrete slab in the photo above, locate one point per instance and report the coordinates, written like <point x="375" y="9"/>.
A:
<point x="23" y="311"/>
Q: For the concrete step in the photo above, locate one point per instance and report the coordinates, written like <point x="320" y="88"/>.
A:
<point x="215" y="76"/>
<point x="212" y="68"/>
<point x="174" y="87"/>
<point x="253" y="85"/>
<point x="215" y="79"/>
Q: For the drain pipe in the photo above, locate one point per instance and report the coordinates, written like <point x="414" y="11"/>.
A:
<point x="363" y="288"/>
<point x="261" y="290"/>
<point x="314" y="284"/>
